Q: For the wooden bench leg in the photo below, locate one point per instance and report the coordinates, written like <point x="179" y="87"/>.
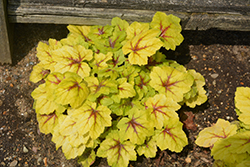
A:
<point x="5" y="48"/>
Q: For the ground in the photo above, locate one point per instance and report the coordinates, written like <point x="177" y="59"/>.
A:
<point x="222" y="57"/>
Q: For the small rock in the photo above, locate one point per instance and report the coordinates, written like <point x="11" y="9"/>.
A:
<point x="1" y="102"/>
<point x="25" y="150"/>
<point x="3" y="164"/>
<point x="13" y="163"/>
<point x="188" y="160"/>
<point x="214" y="75"/>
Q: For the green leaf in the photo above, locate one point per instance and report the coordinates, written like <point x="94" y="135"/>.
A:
<point x="87" y="158"/>
<point x="52" y="82"/>
<point x="71" y="90"/>
<point x="81" y="31"/>
<point x="100" y="32"/>
<point x="142" y="85"/>
<point x="142" y="46"/>
<point x="73" y="40"/>
<point x="125" y="90"/>
<point x="73" y="59"/>
<point x="197" y="95"/>
<point x="120" y="25"/>
<point x="240" y="142"/>
<point x="47" y="122"/>
<point x="222" y="151"/>
<point x="124" y="106"/>
<point x="111" y="44"/>
<point x="221" y="130"/>
<point x="136" y="127"/>
<point x="161" y="109"/>
<point x="100" y="61"/>
<point x="92" y="119"/>
<point x="149" y="149"/>
<point x="99" y="87"/>
<point x="135" y="29"/>
<point x="44" y="53"/>
<point x="117" y="150"/>
<point x="242" y="102"/>
<point x="171" y="82"/>
<point x="38" y="73"/>
<point x="171" y="137"/>
<point x="130" y="73"/>
<point x="170" y="28"/>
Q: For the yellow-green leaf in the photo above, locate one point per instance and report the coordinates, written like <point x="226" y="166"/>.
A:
<point x="171" y="82"/>
<point x="170" y="28"/>
<point x="221" y="130"/>
<point x="161" y="109"/>
<point x="71" y="90"/>
<point x="142" y="46"/>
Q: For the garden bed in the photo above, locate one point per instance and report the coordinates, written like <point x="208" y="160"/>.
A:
<point x="222" y="57"/>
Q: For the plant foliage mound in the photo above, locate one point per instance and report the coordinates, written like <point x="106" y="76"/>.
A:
<point x="108" y="91"/>
<point x="230" y="142"/>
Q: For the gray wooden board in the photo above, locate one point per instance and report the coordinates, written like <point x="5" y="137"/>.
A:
<point x="43" y="13"/>
<point x="5" y="52"/>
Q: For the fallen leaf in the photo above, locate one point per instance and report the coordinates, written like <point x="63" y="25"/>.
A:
<point x="189" y="122"/>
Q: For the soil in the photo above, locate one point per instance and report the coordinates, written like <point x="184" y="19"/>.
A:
<point x="222" y="57"/>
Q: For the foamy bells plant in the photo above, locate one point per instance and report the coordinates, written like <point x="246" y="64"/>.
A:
<point x="107" y="91"/>
<point x="230" y="142"/>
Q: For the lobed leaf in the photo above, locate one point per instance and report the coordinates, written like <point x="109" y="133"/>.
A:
<point x="169" y="27"/>
<point x="87" y="158"/>
<point x="71" y="90"/>
<point x="221" y="130"/>
<point x="92" y="119"/>
<point x="142" y="46"/>
<point x="117" y="150"/>
<point x="171" y="82"/>
<point x="38" y="73"/>
<point x="148" y="148"/>
<point x="136" y="127"/>
<point x="81" y="31"/>
<point x="73" y="59"/>
<point x="161" y="109"/>
<point x="171" y="137"/>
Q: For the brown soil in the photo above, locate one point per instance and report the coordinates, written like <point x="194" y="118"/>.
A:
<point x="222" y="57"/>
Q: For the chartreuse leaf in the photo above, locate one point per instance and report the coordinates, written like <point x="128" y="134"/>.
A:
<point x="52" y="82"/>
<point x="102" y="86"/>
<point x="38" y="73"/>
<point x="135" y="29"/>
<point x="171" y="82"/>
<point x="142" y="86"/>
<point x="130" y="73"/>
<point x="44" y="53"/>
<point x="71" y="90"/>
<point x="100" y="61"/>
<point x="136" y="127"/>
<point x="117" y="150"/>
<point x="221" y="130"/>
<point x="92" y="119"/>
<point x="100" y="32"/>
<point x="148" y="148"/>
<point x="124" y="106"/>
<point x="161" y="109"/>
<point x="81" y="31"/>
<point x="120" y="25"/>
<point x="47" y="122"/>
<point x="170" y="28"/>
<point x="242" y="103"/>
<point x="171" y="137"/>
<point x="244" y="163"/>
<point x="73" y="40"/>
<point x="222" y="150"/>
<point x="87" y="158"/>
<point x="125" y="90"/>
<point x="71" y="152"/>
<point x="73" y="59"/>
<point x="42" y="103"/>
<point x="142" y="46"/>
<point x="197" y="94"/>
<point x="112" y="43"/>
<point x="240" y="142"/>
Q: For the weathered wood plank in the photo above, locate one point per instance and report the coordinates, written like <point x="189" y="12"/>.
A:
<point x="214" y="6"/>
<point x="91" y="16"/>
<point x="5" y="51"/>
